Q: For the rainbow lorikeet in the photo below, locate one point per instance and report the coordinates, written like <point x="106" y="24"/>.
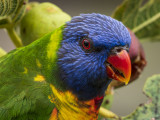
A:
<point x="64" y="74"/>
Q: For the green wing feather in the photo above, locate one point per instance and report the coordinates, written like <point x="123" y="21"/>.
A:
<point x="25" y="77"/>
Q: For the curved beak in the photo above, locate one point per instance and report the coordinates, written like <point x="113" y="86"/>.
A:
<point x="118" y="66"/>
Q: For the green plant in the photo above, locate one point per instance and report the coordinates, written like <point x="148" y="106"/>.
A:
<point x="140" y="19"/>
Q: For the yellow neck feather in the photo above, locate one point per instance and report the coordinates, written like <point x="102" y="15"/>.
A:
<point x="70" y="108"/>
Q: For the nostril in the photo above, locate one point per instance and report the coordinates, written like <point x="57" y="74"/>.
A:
<point x="118" y="49"/>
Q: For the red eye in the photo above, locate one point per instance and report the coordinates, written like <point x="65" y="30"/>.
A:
<point x="86" y="44"/>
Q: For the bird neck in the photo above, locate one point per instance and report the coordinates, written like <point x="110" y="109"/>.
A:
<point x="68" y="107"/>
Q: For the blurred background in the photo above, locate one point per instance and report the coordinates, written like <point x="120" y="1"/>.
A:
<point x="127" y="98"/>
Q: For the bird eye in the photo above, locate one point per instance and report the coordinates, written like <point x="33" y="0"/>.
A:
<point x="86" y="44"/>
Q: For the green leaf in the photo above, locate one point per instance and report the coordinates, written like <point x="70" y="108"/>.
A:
<point x="2" y="52"/>
<point x="151" y="109"/>
<point x="11" y="11"/>
<point x="142" y="18"/>
<point x="107" y="103"/>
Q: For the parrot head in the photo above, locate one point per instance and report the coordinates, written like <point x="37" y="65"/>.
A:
<point x="94" y="50"/>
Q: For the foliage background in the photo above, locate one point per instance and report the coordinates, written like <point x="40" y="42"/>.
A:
<point x="126" y="99"/>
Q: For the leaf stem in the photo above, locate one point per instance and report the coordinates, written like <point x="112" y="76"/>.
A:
<point x="14" y="37"/>
<point x="2" y="52"/>
<point x="144" y="24"/>
<point x="107" y="114"/>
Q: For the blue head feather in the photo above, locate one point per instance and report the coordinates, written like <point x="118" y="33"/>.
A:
<point x="83" y="72"/>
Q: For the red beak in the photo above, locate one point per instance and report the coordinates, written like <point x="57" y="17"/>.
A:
<point x="119" y="66"/>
